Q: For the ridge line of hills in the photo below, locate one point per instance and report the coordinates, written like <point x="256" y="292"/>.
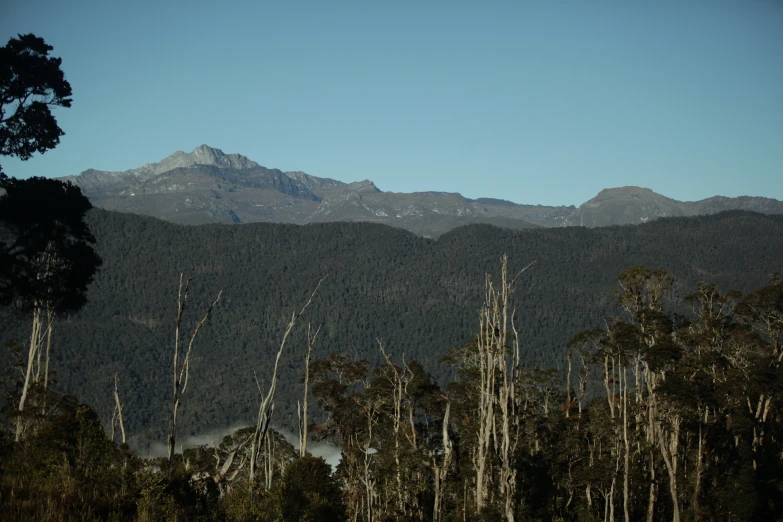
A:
<point x="210" y="186"/>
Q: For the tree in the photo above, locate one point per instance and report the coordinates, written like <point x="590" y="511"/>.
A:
<point x="46" y="254"/>
<point x="182" y="367"/>
<point x="47" y="260"/>
<point x="31" y="83"/>
<point x="311" y="492"/>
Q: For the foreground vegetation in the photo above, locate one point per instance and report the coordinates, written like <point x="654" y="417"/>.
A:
<point x="659" y="416"/>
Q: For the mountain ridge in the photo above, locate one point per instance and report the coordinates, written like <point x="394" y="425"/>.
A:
<point x="210" y="186"/>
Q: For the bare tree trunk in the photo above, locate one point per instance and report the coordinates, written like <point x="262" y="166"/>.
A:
<point x="267" y="404"/>
<point x="609" y="394"/>
<point x="182" y="371"/>
<point x="486" y="406"/>
<point x="32" y="375"/>
<point x="495" y="373"/>
<point x="442" y="471"/>
<point x="409" y="375"/>
<point x="367" y="478"/>
<point x="49" y="321"/>
<point x="626" y="445"/>
<point x="117" y="411"/>
<point x="396" y="383"/>
<point x="669" y="453"/>
<point x="651" y="438"/>
<point x="303" y="418"/>
<point x="269" y="462"/>
<point x="32" y="354"/>
<point x="583" y="379"/>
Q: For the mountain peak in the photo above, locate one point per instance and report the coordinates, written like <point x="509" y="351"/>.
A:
<point x="620" y="205"/>
<point x="203" y="155"/>
<point x="364" y="187"/>
<point x="205" y="151"/>
<point x="626" y="191"/>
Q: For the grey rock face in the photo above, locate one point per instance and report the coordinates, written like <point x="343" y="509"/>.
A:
<point x="209" y="186"/>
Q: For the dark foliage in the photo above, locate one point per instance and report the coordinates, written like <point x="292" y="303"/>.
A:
<point x="48" y="254"/>
<point x="31" y="82"/>
<point x="418" y="296"/>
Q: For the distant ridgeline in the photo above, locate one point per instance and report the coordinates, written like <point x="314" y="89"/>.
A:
<point x="419" y="296"/>
<point x="209" y="186"/>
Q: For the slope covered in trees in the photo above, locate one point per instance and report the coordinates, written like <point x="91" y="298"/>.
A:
<point x="688" y="427"/>
<point x="419" y="296"/>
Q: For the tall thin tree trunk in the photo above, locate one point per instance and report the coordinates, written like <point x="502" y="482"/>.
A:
<point x="699" y="470"/>
<point x="396" y="382"/>
<point x="49" y="321"/>
<point x="32" y="353"/>
<point x="609" y="395"/>
<point x="118" y="409"/>
<point x="267" y="404"/>
<point x="441" y="472"/>
<point x="303" y="427"/>
<point x="182" y="371"/>
<point x="627" y="459"/>
<point x="669" y="452"/>
<point x="368" y="479"/>
<point x="649" y="380"/>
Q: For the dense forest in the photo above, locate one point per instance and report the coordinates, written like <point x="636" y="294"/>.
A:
<point x="686" y="426"/>
<point x="418" y="296"/>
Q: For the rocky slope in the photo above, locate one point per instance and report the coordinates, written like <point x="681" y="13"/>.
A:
<point x="209" y="186"/>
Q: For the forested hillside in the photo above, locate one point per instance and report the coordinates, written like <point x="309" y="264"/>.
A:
<point x="419" y="296"/>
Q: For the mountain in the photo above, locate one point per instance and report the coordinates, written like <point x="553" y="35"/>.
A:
<point x="634" y="205"/>
<point x="624" y="205"/>
<point x="419" y="296"/>
<point x="99" y="182"/>
<point x="209" y="186"/>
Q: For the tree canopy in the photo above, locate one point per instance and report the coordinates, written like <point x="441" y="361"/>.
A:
<point x="49" y="255"/>
<point x="31" y="83"/>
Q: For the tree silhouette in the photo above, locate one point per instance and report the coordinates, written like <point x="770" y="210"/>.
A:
<point x="31" y="82"/>
<point x="48" y="260"/>
<point x="46" y="254"/>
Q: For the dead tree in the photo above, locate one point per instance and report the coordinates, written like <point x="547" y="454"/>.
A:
<point x="367" y="478"/>
<point x="396" y="380"/>
<point x="225" y="472"/>
<point x="409" y="375"/>
<point x="116" y="416"/>
<point x="441" y="470"/>
<point x="497" y="391"/>
<point x="302" y="411"/>
<point x="182" y="369"/>
<point x="626" y="445"/>
<point x="266" y="407"/>
<point x="486" y="406"/>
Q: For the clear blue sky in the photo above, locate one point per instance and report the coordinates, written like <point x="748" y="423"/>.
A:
<point x="536" y="102"/>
